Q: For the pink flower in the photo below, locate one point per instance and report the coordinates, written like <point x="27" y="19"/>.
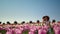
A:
<point x="42" y="31"/>
<point x="18" y="31"/>
<point x="31" y="33"/>
<point x="39" y="31"/>
<point x="56" y="29"/>
<point x="38" y="27"/>
<point x="1" y="28"/>
<point x="8" y="32"/>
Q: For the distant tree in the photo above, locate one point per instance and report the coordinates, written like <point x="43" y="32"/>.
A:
<point x="3" y="23"/>
<point x="15" y="22"/>
<point x="53" y="21"/>
<point x="30" y="22"/>
<point x="8" y="22"/>
<point x="0" y="22"/>
<point x="38" y="21"/>
<point x="23" y="22"/>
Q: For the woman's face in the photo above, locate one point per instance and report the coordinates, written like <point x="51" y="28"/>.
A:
<point x="45" y="19"/>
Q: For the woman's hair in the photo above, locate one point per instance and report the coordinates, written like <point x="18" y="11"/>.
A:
<point x="46" y="17"/>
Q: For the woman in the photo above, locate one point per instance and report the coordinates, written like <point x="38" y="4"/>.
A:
<point x="46" y="20"/>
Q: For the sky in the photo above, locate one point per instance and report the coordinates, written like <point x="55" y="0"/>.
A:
<point x="29" y="10"/>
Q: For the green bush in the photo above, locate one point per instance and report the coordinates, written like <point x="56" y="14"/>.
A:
<point x="3" y="31"/>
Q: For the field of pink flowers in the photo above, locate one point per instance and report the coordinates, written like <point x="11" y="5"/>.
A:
<point x="30" y="29"/>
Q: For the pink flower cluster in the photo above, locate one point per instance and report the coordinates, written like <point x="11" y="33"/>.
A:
<point x="18" y="29"/>
<point x="56" y="28"/>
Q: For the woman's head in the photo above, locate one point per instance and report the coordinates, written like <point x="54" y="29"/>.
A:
<point x="45" y="18"/>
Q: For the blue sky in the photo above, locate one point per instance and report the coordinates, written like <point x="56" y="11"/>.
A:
<point x="26" y="10"/>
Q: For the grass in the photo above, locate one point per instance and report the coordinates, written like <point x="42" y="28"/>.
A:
<point x="25" y="32"/>
<point x="3" y="31"/>
<point x="52" y="31"/>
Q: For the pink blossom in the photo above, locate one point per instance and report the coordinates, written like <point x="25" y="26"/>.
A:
<point x="18" y="31"/>
<point x="31" y="33"/>
<point x="42" y="31"/>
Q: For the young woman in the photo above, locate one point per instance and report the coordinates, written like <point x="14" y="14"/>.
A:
<point x="46" y="20"/>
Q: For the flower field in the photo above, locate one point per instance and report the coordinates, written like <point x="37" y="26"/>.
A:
<point x="30" y="29"/>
